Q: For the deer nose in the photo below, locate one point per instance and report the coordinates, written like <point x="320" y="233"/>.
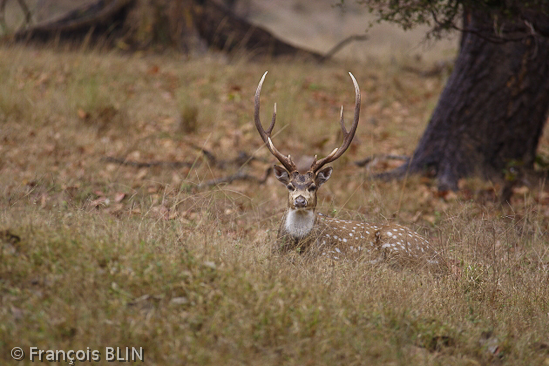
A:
<point x="300" y="202"/>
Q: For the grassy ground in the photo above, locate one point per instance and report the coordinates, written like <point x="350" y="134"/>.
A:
<point x="94" y="253"/>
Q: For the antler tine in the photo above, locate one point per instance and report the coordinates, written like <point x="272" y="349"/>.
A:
<point x="342" y="121"/>
<point x="347" y="135"/>
<point x="270" y="129"/>
<point x="266" y="135"/>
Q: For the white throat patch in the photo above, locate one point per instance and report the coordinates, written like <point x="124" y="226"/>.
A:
<point x="299" y="223"/>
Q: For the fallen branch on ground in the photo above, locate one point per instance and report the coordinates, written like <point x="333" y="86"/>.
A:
<point x="376" y="158"/>
<point x="438" y="69"/>
<point x="148" y="164"/>
<point x="242" y="159"/>
<point x="240" y="175"/>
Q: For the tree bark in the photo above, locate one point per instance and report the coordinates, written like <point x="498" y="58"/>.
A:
<point x="491" y="113"/>
<point x="100" y="19"/>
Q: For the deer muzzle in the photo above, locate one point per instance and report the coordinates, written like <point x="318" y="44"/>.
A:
<point x="300" y="202"/>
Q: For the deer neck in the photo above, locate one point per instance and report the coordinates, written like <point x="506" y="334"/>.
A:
<point x="299" y="223"/>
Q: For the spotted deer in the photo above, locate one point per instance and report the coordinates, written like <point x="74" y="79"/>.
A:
<point x="305" y="231"/>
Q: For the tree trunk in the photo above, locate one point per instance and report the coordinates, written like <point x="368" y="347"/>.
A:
<point x="99" y="19"/>
<point x="138" y="24"/>
<point x="491" y="113"/>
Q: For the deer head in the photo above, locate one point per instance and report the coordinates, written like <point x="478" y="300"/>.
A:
<point x="302" y="188"/>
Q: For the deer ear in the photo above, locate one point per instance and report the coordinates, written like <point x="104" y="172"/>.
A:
<point x="282" y="174"/>
<point x="323" y="175"/>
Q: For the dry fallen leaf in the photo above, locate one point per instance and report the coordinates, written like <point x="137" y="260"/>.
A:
<point x="521" y="190"/>
<point x="162" y="212"/>
<point x="142" y="173"/>
<point x="118" y="197"/>
<point x="43" y="200"/>
<point x="100" y="201"/>
<point x="153" y="70"/>
<point x="116" y="209"/>
<point x="179" y="301"/>
<point x="490" y="343"/>
<point x="82" y="114"/>
<point x="42" y="79"/>
<point x="429" y="218"/>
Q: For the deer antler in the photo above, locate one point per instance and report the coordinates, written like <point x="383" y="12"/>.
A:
<point x="347" y="135"/>
<point x="266" y="135"/>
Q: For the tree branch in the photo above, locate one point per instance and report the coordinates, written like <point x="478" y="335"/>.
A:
<point x="343" y="43"/>
<point x="482" y="33"/>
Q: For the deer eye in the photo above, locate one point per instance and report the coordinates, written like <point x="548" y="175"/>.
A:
<point x="290" y="187"/>
<point x="312" y="188"/>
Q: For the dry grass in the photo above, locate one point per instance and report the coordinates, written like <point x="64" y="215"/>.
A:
<point x="114" y="255"/>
